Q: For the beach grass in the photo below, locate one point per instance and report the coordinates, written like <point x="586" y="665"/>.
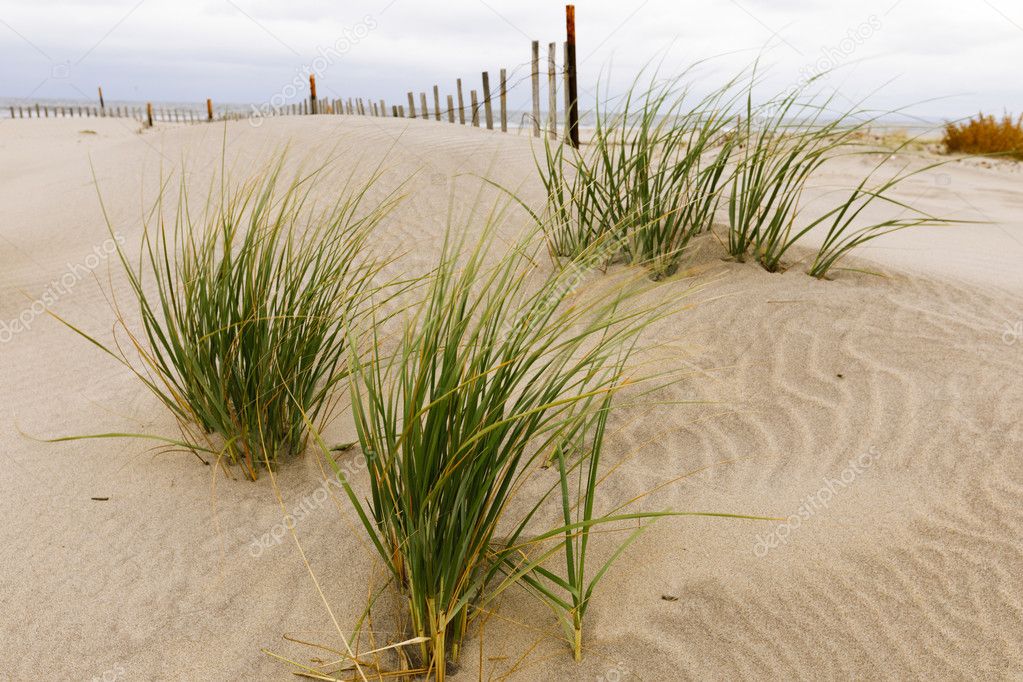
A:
<point x="492" y="376"/>
<point x="651" y="174"/>
<point x="244" y="308"/>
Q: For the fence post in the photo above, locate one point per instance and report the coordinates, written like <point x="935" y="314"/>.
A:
<point x="209" y="109"/>
<point x="572" y="113"/>
<point x="552" y="91"/>
<point x="102" y="105"/>
<point x="475" y="108"/>
<point x="504" y="100"/>
<point x="536" y="88"/>
<point x="426" y="111"/>
<point x="461" y="104"/>
<point x="312" y="93"/>
<point x="411" y="106"/>
<point x="451" y="109"/>
<point x="149" y="113"/>
<point x="436" y="102"/>
<point x="383" y="108"/>
<point x="564" y="86"/>
<point x="487" y="106"/>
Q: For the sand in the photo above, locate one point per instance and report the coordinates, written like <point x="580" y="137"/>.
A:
<point x="879" y="414"/>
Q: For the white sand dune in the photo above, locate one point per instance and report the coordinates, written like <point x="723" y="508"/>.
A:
<point x="882" y="414"/>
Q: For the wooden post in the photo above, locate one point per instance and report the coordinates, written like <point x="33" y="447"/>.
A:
<point x="564" y="87"/>
<point x="401" y="111"/>
<point x="394" y="111"/>
<point x="451" y="109"/>
<point x="411" y="106"/>
<point x="536" y="88"/>
<point x="209" y="109"/>
<point x="461" y="103"/>
<point x="436" y="102"/>
<point x="422" y="101"/>
<point x="552" y="83"/>
<point x="383" y="108"/>
<point x="12" y="113"/>
<point x="149" y="113"/>
<point x="102" y="105"/>
<point x="475" y="108"/>
<point x="504" y="100"/>
<point x="572" y="113"/>
<point x="487" y="106"/>
<point x="312" y="94"/>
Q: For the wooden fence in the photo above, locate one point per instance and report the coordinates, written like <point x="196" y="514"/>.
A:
<point x="487" y="107"/>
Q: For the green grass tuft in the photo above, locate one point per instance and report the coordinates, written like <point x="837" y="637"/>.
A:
<point x="244" y="310"/>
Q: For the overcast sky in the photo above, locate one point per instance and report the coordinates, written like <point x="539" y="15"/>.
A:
<point x="968" y="53"/>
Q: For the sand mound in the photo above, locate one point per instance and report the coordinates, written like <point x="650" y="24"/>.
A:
<point x="879" y="415"/>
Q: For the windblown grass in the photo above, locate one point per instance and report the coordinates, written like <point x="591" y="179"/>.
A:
<point x="244" y="310"/>
<point x="986" y="135"/>
<point x="847" y="230"/>
<point x="650" y="176"/>
<point x="493" y="377"/>
<point x="489" y="379"/>
<point x="784" y="141"/>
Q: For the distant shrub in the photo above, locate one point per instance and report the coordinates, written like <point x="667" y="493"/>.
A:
<point x="986" y="135"/>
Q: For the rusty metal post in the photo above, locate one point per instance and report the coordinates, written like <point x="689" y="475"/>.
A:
<point x="209" y="109"/>
<point x="312" y="94"/>
<point x="572" y="115"/>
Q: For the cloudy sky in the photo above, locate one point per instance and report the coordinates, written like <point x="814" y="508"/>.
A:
<point x="947" y="57"/>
